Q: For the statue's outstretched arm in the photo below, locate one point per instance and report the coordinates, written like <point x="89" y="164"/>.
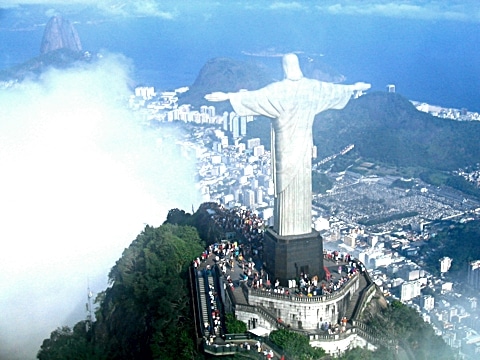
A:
<point x="217" y="96"/>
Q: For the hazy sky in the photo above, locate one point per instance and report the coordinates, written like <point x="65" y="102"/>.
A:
<point x="80" y="177"/>
<point x="464" y="10"/>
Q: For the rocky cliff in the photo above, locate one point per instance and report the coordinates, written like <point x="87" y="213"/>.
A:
<point x="60" y="34"/>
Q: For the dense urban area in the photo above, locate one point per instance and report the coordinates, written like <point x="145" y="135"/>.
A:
<point x="382" y="220"/>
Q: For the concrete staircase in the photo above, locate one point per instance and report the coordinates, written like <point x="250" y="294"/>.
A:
<point x="203" y="303"/>
<point x="356" y="296"/>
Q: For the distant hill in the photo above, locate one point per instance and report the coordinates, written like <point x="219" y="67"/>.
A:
<point x="227" y="75"/>
<point x="60" y="48"/>
<point x="387" y="128"/>
<point x="60" y="59"/>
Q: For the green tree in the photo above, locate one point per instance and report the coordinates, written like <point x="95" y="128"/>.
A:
<point x="208" y="231"/>
<point x="70" y="344"/>
<point x="320" y="182"/>
<point x="235" y="326"/>
<point x="358" y="353"/>
<point x="415" y="337"/>
<point x="296" y="346"/>
<point x="144" y="314"/>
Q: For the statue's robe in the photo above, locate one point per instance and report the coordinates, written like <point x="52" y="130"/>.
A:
<point x="292" y="105"/>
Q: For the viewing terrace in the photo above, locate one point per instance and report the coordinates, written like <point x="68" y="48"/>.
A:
<point x="229" y="278"/>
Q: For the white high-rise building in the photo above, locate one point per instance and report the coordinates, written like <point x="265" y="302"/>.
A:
<point x="409" y="290"/>
<point x="235" y="127"/>
<point x="350" y="240"/>
<point x="259" y="192"/>
<point x="428" y="302"/>
<point x="243" y="125"/>
<point x="258" y="150"/>
<point x="211" y="111"/>
<point x="225" y="123"/>
<point x="145" y="92"/>
<point x="445" y="264"/>
<point x="249" y="198"/>
<point x="473" y="275"/>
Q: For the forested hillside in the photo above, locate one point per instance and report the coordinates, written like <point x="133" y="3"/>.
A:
<point x="460" y="242"/>
<point x="144" y="313"/>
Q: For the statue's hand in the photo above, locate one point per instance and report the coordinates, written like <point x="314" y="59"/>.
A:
<point x="361" y="86"/>
<point x="217" y="96"/>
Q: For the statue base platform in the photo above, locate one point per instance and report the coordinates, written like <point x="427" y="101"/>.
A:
<point x="287" y="257"/>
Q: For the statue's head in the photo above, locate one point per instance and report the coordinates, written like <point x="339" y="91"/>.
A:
<point x="291" y="67"/>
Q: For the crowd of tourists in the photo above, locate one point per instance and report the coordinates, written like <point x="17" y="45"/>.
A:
<point x="213" y="328"/>
<point x="249" y="229"/>
<point x="246" y="225"/>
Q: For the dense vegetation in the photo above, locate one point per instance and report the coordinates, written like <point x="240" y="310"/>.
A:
<point x="208" y="231"/>
<point x="416" y="339"/>
<point x="386" y="127"/>
<point x="438" y="178"/>
<point x="376" y="221"/>
<point x="234" y="326"/>
<point x="363" y="354"/>
<point x="460" y="242"/>
<point x="412" y="337"/>
<point x="320" y="183"/>
<point x="144" y="313"/>
<point x="295" y="346"/>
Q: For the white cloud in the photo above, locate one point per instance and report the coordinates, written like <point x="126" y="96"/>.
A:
<point x="148" y="8"/>
<point x="127" y="8"/>
<point x="468" y="10"/>
<point x="80" y="178"/>
<point x="293" y="5"/>
<point x="447" y="10"/>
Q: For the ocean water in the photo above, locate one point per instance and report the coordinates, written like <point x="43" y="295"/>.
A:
<point x="431" y="61"/>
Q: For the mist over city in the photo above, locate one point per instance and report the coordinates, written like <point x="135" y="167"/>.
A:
<point x="76" y="189"/>
<point x="83" y="173"/>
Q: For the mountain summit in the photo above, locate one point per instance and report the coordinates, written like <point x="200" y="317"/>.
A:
<point x="60" y="34"/>
<point x="228" y="75"/>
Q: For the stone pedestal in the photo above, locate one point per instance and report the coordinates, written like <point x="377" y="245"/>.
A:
<point x="286" y="257"/>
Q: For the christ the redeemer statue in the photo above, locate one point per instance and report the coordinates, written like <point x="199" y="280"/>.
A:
<point x="292" y="105"/>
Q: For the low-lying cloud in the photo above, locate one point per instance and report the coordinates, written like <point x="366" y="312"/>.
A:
<point x="80" y="179"/>
<point x="421" y="10"/>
